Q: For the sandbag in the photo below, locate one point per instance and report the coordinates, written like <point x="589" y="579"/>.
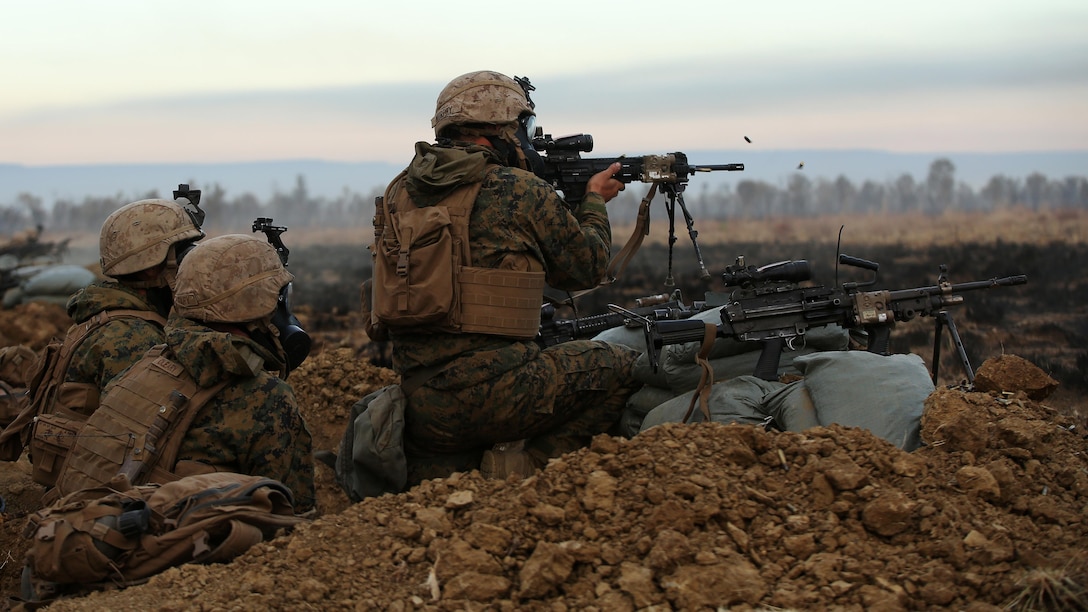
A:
<point x="57" y="280"/>
<point x="639" y="405"/>
<point x="882" y="393"/>
<point x="791" y="407"/>
<point x="739" y="400"/>
<point x="633" y="337"/>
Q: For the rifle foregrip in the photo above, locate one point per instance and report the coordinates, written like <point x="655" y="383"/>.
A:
<point x="679" y="332"/>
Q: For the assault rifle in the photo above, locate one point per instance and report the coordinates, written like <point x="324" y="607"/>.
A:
<point x="770" y="306"/>
<point x="660" y="307"/>
<point x="568" y="171"/>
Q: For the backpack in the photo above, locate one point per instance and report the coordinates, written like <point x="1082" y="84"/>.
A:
<point x="136" y="431"/>
<point x="423" y="275"/>
<point x="67" y="404"/>
<point x="370" y="460"/>
<point x="118" y="535"/>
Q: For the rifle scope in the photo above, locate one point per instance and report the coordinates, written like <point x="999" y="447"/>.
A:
<point x="788" y="271"/>
<point x="564" y="144"/>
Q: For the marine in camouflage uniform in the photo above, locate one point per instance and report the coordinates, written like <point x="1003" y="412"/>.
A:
<point x="252" y="426"/>
<point x="139" y="247"/>
<point x="227" y="291"/>
<point x="491" y="390"/>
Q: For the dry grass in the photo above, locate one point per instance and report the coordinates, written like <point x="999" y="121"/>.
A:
<point x="1062" y="588"/>
<point x="1014" y="225"/>
<point x="1018" y="225"/>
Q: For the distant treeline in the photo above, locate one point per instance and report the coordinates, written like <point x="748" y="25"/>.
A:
<point x="752" y="199"/>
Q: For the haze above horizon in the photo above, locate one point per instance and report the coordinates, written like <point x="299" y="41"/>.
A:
<point x="125" y="81"/>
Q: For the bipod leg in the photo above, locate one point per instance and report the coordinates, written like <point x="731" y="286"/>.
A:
<point x="670" y="208"/>
<point x="676" y="192"/>
<point x="945" y="320"/>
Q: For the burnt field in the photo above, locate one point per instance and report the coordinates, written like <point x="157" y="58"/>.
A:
<point x="1044" y="321"/>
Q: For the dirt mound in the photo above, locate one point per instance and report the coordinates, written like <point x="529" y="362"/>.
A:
<point x="687" y="517"/>
<point x="33" y="324"/>
<point x="326" y="386"/>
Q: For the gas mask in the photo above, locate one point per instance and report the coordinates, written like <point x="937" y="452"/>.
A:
<point x="294" y="340"/>
<point x="524" y="135"/>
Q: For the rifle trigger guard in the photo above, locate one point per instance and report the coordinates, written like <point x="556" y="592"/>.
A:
<point x="792" y="344"/>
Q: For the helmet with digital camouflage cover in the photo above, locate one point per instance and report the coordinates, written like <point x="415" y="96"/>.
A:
<point x="481" y="97"/>
<point x="236" y="278"/>
<point x="140" y="235"/>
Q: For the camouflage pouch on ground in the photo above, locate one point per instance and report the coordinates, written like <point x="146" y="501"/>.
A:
<point x="119" y="535"/>
<point x="371" y="459"/>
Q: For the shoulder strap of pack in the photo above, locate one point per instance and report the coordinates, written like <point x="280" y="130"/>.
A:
<point x="172" y="445"/>
<point x="74" y="338"/>
<point x="51" y="369"/>
<point x="460" y="204"/>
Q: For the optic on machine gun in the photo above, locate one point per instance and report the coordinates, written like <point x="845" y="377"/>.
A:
<point x="740" y="275"/>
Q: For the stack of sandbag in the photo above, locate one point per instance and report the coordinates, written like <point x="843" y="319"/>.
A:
<point x="47" y="283"/>
<point x="678" y="373"/>
<point x="882" y="393"/>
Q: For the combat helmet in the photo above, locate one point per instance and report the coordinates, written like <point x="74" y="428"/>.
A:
<point x="139" y="235"/>
<point x="481" y="97"/>
<point x="234" y="278"/>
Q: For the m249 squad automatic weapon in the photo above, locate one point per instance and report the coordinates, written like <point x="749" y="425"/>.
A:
<point x="770" y="305"/>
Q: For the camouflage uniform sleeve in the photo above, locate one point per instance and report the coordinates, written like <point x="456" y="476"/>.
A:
<point x="281" y="447"/>
<point x="576" y="246"/>
<point x="256" y="428"/>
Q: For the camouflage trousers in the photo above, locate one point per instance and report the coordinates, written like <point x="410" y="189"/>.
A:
<point x="557" y="399"/>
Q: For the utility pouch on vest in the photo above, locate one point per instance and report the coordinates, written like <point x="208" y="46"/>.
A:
<point x="415" y="271"/>
<point x="501" y="302"/>
<point x="375" y="329"/>
<point x="50" y="443"/>
<point x="423" y="275"/>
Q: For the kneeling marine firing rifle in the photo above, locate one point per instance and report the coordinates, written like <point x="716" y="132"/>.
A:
<point x="563" y="166"/>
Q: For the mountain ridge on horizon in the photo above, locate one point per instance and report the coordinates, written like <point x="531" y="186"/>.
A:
<point x="329" y="179"/>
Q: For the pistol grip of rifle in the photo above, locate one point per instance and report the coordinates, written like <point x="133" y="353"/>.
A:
<point x="769" y="357"/>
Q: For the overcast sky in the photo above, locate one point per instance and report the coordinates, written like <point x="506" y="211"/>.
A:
<point x="138" y="81"/>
